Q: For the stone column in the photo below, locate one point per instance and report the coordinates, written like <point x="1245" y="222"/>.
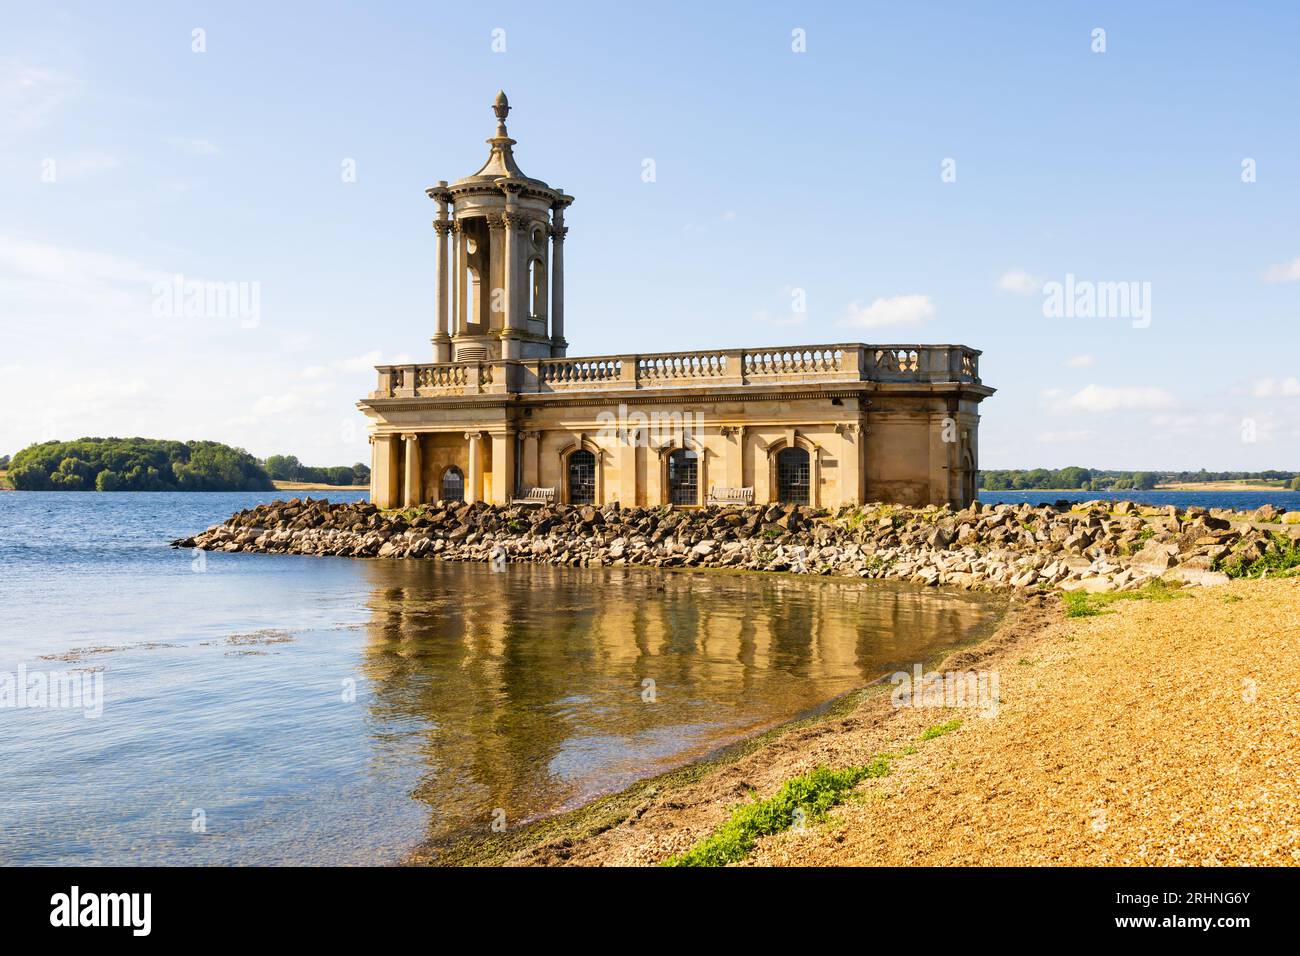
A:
<point x="735" y="455"/>
<point x="474" y="480"/>
<point x="503" y="467"/>
<point x="702" y="475"/>
<point x="374" y="468"/>
<point x="441" y="338"/>
<point x="532" y="458"/>
<point x="559" y="346"/>
<point x="412" y="478"/>
<point x="510" y="326"/>
<point x="851" y="471"/>
<point x="461" y="317"/>
<point x="384" y="479"/>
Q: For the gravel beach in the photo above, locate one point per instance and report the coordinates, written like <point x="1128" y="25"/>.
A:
<point x="1154" y="733"/>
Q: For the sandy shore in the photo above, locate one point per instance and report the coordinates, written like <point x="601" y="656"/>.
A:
<point x="1156" y="733"/>
<point x="315" y="486"/>
<point x="1221" y="486"/>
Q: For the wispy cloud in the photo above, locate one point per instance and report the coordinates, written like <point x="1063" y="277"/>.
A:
<point x="1019" y="282"/>
<point x="193" y="146"/>
<point x="30" y="95"/>
<point x="1081" y="361"/>
<point x="83" y="164"/>
<point x="1284" y="271"/>
<point x="1102" y="398"/>
<point x="1273" y="387"/>
<point x="45" y="261"/>
<point x="899" y="310"/>
<point x="357" y="363"/>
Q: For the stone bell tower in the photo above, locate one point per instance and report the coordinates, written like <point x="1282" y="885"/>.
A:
<point x="500" y="260"/>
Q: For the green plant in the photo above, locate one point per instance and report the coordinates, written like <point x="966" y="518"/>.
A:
<point x="810" y="795"/>
<point x="1281" y="559"/>
<point x="1083" y="604"/>
<point x="938" y="730"/>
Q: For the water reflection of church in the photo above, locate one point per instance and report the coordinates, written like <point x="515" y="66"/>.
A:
<point x="532" y="695"/>
<point x="503" y="412"/>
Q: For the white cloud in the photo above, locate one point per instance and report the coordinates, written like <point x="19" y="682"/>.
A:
<point x="899" y="310"/>
<point x="1284" y="271"/>
<point x="29" y="95"/>
<point x="83" y="164"/>
<point x="1101" y="398"/>
<point x="1019" y="282"/>
<point x="1270" y="387"/>
<point x="194" y="146"/>
<point x="1081" y="361"/>
<point x="50" y="263"/>
<point x="357" y="363"/>
<point x="1052" y="438"/>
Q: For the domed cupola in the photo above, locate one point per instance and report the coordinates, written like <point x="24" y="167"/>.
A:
<point x="500" y="260"/>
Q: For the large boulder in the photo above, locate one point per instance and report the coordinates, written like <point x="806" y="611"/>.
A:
<point x="1155" y="557"/>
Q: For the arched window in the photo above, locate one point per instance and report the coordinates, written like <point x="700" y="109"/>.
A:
<point x="472" y="303"/>
<point x="582" y="478"/>
<point x="453" y="485"/>
<point x="793" y="476"/>
<point x="684" y="477"/>
<point x="537" y="282"/>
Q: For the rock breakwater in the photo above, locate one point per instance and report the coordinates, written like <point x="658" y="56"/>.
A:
<point x="1096" y="546"/>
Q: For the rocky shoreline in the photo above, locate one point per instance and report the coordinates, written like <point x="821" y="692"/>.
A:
<point x="1095" y="546"/>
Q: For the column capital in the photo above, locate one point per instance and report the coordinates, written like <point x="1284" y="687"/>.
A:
<point x="495" y="220"/>
<point x="473" y="436"/>
<point x="410" y="436"/>
<point x="559" y="232"/>
<point x="444" y="227"/>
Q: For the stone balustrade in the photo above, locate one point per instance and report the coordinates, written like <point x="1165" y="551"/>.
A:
<point x="852" y="362"/>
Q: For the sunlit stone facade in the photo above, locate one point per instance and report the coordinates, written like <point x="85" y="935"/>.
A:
<point x="502" y="413"/>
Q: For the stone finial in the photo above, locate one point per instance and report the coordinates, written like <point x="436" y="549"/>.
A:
<point x="501" y="106"/>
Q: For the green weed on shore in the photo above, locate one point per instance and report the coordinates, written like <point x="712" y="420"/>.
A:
<point x="809" y="797"/>
<point x="804" y="799"/>
<point x="1083" y="604"/>
<point x="1282" y="559"/>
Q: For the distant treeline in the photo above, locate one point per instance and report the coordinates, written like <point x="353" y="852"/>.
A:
<point x="289" y="468"/>
<point x="136" y="464"/>
<point x="1095" y="479"/>
<point x="150" y="464"/>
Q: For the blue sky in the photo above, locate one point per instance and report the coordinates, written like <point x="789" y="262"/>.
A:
<point x="126" y="157"/>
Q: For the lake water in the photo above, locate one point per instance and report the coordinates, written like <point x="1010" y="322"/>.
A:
<point x="281" y="709"/>
<point x="1238" y="500"/>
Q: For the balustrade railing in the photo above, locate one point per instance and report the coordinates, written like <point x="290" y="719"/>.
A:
<point x="852" y="362"/>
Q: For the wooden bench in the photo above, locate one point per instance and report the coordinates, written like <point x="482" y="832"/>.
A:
<point x="743" y="497"/>
<point x="534" y="496"/>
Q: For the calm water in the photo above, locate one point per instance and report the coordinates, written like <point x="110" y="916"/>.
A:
<point x="1239" y="500"/>
<point x="326" y="710"/>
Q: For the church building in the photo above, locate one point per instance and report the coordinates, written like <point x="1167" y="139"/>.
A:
<point x="504" y="414"/>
